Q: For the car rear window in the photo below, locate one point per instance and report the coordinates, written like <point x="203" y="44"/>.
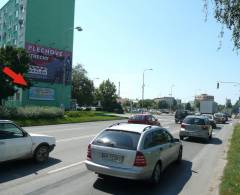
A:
<point x="194" y="121"/>
<point x="118" y="139"/>
<point x="137" y="117"/>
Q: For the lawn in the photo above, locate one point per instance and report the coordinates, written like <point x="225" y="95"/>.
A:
<point x="231" y="179"/>
<point x="69" y="117"/>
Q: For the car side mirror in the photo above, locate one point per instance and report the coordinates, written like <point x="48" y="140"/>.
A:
<point x="25" y="134"/>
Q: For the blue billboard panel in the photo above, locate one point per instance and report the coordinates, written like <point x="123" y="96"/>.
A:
<point x="39" y="93"/>
<point x="49" y="64"/>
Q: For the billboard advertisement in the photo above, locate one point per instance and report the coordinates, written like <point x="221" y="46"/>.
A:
<point x="39" y="93"/>
<point x="49" y="64"/>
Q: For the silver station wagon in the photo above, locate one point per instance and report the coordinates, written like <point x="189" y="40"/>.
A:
<point x="196" y="126"/>
<point x="133" y="151"/>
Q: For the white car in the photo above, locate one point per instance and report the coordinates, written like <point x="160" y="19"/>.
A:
<point x="15" y="143"/>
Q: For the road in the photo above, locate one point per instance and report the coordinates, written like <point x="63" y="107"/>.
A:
<point x="65" y="173"/>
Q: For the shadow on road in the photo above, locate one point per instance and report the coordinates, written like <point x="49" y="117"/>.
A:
<point x="214" y="141"/>
<point x="218" y="128"/>
<point x="172" y="182"/>
<point x="21" y="168"/>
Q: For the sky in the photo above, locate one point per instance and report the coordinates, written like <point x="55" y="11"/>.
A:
<point x="120" y="39"/>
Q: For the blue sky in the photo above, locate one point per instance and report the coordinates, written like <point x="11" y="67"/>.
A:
<point x="122" y="38"/>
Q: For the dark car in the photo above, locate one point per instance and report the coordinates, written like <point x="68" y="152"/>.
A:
<point x="147" y="119"/>
<point x="211" y="119"/>
<point x="219" y="118"/>
<point x="180" y="115"/>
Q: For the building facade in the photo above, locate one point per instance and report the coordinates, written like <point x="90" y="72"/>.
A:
<point x="45" y="29"/>
<point x="204" y="97"/>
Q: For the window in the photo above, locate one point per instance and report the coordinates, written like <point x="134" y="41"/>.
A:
<point x="118" y="139"/>
<point x="9" y="131"/>
<point x="156" y="138"/>
<point x="194" y="121"/>
<point x="137" y="117"/>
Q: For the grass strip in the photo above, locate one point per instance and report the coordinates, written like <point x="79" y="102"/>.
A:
<point x="230" y="184"/>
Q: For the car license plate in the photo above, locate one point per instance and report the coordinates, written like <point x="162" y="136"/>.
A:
<point x="112" y="157"/>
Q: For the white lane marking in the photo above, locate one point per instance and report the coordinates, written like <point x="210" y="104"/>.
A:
<point x="75" y="138"/>
<point x="66" y="167"/>
<point x="166" y="127"/>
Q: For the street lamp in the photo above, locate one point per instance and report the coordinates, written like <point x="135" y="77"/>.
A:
<point x="78" y="28"/>
<point x="143" y="85"/>
<point x="171" y="97"/>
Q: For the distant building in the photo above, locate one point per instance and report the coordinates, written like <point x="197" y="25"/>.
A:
<point x="169" y="100"/>
<point x="204" y="97"/>
<point x="45" y="29"/>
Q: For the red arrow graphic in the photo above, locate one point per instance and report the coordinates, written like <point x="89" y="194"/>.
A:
<point x="17" y="78"/>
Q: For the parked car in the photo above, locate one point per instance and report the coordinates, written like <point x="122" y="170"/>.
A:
<point x="133" y="151"/>
<point x="16" y="143"/>
<point x="180" y="115"/>
<point x="147" y="119"/>
<point x="196" y="126"/>
<point x="211" y="119"/>
<point x="219" y="118"/>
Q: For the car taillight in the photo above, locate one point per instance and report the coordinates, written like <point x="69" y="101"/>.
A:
<point x="183" y="126"/>
<point x="140" y="160"/>
<point x="89" y="152"/>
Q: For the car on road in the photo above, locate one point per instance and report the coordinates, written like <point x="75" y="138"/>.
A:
<point x="196" y="126"/>
<point x="220" y="118"/>
<point x="211" y="119"/>
<point x="147" y="119"/>
<point x="133" y="151"/>
<point x="180" y="115"/>
<point x="16" y="143"/>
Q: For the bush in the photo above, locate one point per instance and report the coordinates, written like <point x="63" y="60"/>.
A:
<point x="32" y="112"/>
<point x="6" y="113"/>
<point x="35" y="112"/>
<point x="75" y="114"/>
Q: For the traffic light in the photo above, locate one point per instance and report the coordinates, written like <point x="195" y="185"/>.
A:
<point x="217" y="85"/>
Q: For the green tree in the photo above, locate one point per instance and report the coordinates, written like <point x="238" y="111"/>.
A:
<point x="18" y="60"/>
<point x="174" y="105"/>
<point x="197" y="104"/>
<point x="221" y="108"/>
<point x="82" y="86"/>
<point x="188" y="106"/>
<point x="106" y="94"/>
<point x="148" y="103"/>
<point x="229" y="104"/>
<point x="227" y="12"/>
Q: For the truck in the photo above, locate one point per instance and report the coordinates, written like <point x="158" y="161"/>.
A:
<point x="207" y="107"/>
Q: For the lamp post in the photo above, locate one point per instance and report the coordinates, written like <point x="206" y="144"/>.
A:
<point x="79" y="29"/>
<point x="171" y="97"/>
<point x="143" y="85"/>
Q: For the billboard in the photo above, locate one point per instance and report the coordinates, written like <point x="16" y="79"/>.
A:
<point x="49" y="64"/>
<point x="39" y="93"/>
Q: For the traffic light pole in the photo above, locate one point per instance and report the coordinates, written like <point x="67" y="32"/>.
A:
<point x="218" y="83"/>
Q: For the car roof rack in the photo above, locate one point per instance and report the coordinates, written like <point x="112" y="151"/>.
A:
<point x="119" y="123"/>
<point x="148" y="127"/>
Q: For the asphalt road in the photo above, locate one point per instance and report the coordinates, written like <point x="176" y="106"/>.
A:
<point x="65" y="173"/>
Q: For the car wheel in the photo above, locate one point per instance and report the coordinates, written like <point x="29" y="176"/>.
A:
<point x="41" y="154"/>
<point x="156" y="175"/>
<point x="181" y="137"/>
<point x="179" y="159"/>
